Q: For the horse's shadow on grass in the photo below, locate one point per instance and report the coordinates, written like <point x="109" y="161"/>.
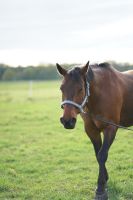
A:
<point x="115" y="192"/>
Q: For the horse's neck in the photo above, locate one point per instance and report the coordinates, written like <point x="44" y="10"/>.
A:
<point x="98" y="88"/>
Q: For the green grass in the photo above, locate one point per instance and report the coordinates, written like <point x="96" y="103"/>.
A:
<point x="41" y="160"/>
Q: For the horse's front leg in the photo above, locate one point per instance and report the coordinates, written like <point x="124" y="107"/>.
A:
<point x="95" y="137"/>
<point x="97" y="143"/>
<point x="109" y="135"/>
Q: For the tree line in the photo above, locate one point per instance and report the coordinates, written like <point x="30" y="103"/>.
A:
<point x="42" y="71"/>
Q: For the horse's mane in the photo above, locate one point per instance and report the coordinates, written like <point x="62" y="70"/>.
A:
<point x="104" y="65"/>
<point x="75" y="71"/>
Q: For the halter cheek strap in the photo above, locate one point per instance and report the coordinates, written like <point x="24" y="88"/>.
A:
<point x="79" y="106"/>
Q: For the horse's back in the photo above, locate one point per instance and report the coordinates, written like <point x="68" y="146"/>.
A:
<point x="130" y="72"/>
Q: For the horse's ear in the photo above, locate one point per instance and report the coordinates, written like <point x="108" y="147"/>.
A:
<point x="88" y="72"/>
<point x="61" y="70"/>
<point x="85" y="68"/>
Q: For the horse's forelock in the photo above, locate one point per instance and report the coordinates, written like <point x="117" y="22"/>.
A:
<point x="75" y="74"/>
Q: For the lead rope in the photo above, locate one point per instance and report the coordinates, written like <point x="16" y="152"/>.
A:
<point x="99" y="118"/>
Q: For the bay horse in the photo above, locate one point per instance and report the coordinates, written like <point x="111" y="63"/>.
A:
<point x="93" y="91"/>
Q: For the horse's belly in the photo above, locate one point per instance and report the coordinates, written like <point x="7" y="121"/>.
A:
<point x="127" y="117"/>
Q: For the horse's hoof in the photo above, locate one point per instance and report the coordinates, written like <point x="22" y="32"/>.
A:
<point x="103" y="196"/>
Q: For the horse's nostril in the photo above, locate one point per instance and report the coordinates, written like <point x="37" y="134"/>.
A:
<point x="73" y="120"/>
<point x="62" y="120"/>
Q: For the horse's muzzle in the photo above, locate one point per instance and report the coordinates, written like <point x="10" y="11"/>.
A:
<point x="68" y="124"/>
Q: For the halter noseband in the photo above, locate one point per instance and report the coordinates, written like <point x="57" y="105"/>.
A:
<point x="79" y="106"/>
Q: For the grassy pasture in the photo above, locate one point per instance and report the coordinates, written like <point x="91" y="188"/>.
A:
<point x="39" y="160"/>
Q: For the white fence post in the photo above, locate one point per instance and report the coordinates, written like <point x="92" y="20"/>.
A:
<point x="30" y="89"/>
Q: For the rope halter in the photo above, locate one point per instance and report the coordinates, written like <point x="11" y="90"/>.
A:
<point x="79" y="106"/>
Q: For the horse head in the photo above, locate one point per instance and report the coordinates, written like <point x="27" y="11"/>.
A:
<point x="75" y="92"/>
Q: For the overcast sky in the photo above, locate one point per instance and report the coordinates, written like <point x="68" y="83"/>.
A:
<point x="49" y="31"/>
